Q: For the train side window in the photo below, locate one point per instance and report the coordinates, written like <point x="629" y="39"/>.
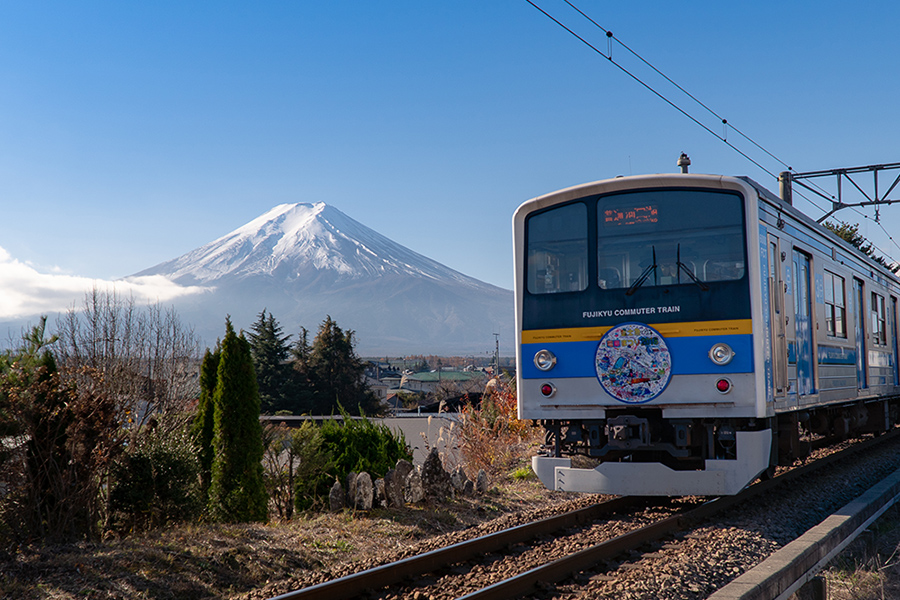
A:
<point x="879" y="329"/>
<point x="558" y="250"/>
<point x="835" y="306"/>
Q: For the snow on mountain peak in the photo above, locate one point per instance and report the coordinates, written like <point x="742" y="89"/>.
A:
<point x="293" y="240"/>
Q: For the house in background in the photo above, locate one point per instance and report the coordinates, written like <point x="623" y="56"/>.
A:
<point x="409" y="391"/>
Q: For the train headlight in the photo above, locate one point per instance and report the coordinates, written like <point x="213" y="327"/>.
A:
<point x="548" y="390"/>
<point x="544" y="360"/>
<point x="721" y="354"/>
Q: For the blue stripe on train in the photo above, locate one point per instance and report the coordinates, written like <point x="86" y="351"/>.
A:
<point x="690" y="356"/>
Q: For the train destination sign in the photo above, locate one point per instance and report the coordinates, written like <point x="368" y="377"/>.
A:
<point x="631" y="215"/>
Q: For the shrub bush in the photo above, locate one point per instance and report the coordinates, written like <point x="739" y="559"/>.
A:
<point x="156" y="482"/>
<point x="294" y="463"/>
<point x="351" y="445"/>
<point x="64" y="435"/>
<point x="491" y="436"/>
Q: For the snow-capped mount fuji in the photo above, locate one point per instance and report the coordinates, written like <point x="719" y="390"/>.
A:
<point x="293" y="239"/>
<point x="302" y="262"/>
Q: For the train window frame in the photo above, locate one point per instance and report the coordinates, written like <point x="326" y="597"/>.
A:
<point x="668" y="261"/>
<point x="879" y="319"/>
<point x="835" y="305"/>
<point x="568" y="255"/>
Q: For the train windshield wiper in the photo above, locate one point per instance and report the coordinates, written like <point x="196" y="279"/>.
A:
<point x="640" y="280"/>
<point x="690" y="274"/>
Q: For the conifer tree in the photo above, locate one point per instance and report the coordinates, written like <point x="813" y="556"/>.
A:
<point x="237" y="489"/>
<point x="850" y="233"/>
<point x="336" y="373"/>
<point x="271" y="350"/>
<point x="302" y="389"/>
<point x="204" y="422"/>
<point x="30" y="386"/>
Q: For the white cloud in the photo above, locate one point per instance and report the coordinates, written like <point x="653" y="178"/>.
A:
<point x="24" y="292"/>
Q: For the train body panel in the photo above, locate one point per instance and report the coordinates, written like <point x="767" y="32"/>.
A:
<point x="683" y="330"/>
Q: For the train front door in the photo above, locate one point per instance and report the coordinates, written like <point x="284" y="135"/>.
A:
<point x="859" y="321"/>
<point x="803" y="320"/>
<point x="895" y="368"/>
<point x="777" y="318"/>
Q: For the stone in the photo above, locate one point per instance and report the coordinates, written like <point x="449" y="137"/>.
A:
<point x="415" y="491"/>
<point x="350" y="486"/>
<point x="336" y="497"/>
<point x="380" y="498"/>
<point x="365" y="492"/>
<point x="459" y="480"/>
<point x="404" y="468"/>
<point x="435" y="478"/>
<point x="394" y="488"/>
<point x="469" y="490"/>
<point x="482" y="483"/>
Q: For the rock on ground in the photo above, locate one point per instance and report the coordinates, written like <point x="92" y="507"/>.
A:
<point x="364" y="492"/>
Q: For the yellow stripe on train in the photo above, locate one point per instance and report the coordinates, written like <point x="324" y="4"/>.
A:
<point x="587" y="334"/>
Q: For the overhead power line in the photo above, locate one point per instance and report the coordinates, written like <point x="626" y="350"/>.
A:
<point x="608" y="55"/>
<point x="611" y="38"/>
<point x="657" y="93"/>
<point x="724" y="121"/>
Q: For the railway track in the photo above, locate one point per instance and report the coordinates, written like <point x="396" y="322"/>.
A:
<point x="540" y="533"/>
<point x="592" y="548"/>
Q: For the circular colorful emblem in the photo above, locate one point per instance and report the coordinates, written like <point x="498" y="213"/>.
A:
<point x="633" y="363"/>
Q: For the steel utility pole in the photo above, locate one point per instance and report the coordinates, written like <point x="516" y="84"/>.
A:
<point x="497" y="354"/>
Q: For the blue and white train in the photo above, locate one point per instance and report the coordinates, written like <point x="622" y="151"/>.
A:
<point x="685" y="333"/>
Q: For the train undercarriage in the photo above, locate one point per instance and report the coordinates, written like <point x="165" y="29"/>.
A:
<point x="628" y="441"/>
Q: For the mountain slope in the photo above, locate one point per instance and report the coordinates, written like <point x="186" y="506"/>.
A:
<point x="295" y="238"/>
<point x="302" y="262"/>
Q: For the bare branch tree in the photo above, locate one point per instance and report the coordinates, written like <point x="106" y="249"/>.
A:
<point x="147" y="359"/>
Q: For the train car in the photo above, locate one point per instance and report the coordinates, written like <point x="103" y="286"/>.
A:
<point x="681" y="334"/>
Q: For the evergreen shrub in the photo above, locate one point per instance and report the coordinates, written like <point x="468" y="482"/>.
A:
<point x="350" y="445"/>
<point x="156" y="482"/>
<point x="237" y="492"/>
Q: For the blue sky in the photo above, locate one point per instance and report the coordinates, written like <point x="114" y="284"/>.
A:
<point x="131" y="133"/>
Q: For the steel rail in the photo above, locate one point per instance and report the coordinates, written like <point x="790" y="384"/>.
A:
<point x="565" y="567"/>
<point x="351" y="586"/>
<point x="562" y="568"/>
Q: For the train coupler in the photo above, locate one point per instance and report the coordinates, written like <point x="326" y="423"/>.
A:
<point x="627" y="432"/>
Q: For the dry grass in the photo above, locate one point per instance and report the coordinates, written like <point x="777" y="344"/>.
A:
<point x="869" y="569"/>
<point x="222" y="561"/>
<point x="491" y="437"/>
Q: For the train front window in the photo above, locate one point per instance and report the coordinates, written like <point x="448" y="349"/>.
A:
<point x="666" y="237"/>
<point x="558" y="250"/>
